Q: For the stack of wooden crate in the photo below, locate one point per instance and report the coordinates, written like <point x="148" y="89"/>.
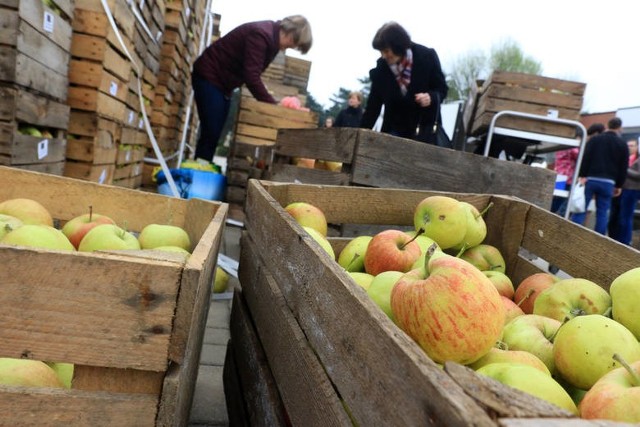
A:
<point x="35" y="43"/>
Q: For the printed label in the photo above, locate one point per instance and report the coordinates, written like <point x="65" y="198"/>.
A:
<point x="43" y="149"/>
<point x="103" y="176"/>
<point x="113" y="89"/>
<point x="48" y="22"/>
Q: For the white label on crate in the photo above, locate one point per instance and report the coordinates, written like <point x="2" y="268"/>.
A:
<point x="131" y="117"/>
<point x="103" y="176"/>
<point x="187" y="12"/>
<point x="48" y="22"/>
<point x="113" y="89"/>
<point x="127" y="157"/>
<point x="141" y="124"/>
<point x="43" y="149"/>
<point x="552" y="113"/>
<point x="158" y="36"/>
<point x="136" y="169"/>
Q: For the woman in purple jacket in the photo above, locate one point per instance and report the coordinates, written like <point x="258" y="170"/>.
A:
<point x="239" y="58"/>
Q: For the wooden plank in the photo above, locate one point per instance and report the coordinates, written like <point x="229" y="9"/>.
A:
<point x="21" y="105"/>
<point x="481" y="124"/>
<point x="318" y="291"/>
<point x="292" y="173"/>
<point x="18" y="68"/>
<point x="98" y="49"/>
<point x="536" y="82"/>
<point x="260" y="393"/>
<point x="94" y="75"/>
<point x="333" y="144"/>
<point x="562" y="102"/>
<point x="93" y="378"/>
<point x="88" y="171"/>
<point x="236" y="407"/>
<point x="120" y="10"/>
<point x="89" y="99"/>
<point x="285" y="346"/>
<point x="26" y="149"/>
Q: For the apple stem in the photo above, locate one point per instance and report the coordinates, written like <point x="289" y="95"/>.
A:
<point x="90" y="212"/>
<point x="635" y="376"/>
<point x="495" y="267"/>
<point x="419" y="232"/>
<point x="502" y="345"/>
<point x="607" y="312"/>
<point x="565" y="320"/>
<point x="462" y="250"/>
<point x="427" y="256"/>
<point x="525" y="297"/>
<point x="484" y="211"/>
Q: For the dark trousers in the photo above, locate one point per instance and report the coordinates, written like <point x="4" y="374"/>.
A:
<point x="213" y="108"/>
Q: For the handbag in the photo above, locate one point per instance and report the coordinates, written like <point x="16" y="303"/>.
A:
<point x="577" y="202"/>
<point x="441" y="138"/>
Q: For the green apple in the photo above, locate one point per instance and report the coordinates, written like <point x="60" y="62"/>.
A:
<point x="64" y="371"/>
<point x="584" y="346"/>
<point x="476" y="228"/>
<point x="625" y="300"/>
<point x="76" y="228"/>
<point x="534" y="334"/>
<point x="221" y="281"/>
<point x="441" y="218"/>
<point x="502" y="282"/>
<point x="568" y="298"/>
<point x="615" y="395"/>
<point x="390" y="250"/>
<point x="529" y="289"/>
<point x="108" y="237"/>
<point x="362" y="279"/>
<point x="498" y="355"/>
<point x="27" y="210"/>
<point x="351" y="257"/>
<point x="449" y="308"/>
<point x="156" y="235"/>
<point x="322" y="241"/>
<point x="485" y="258"/>
<point x="380" y="290"/>
<point x="8" y="223"/>
<point x="423" y="241"/>
<point x="28" y="373"/>
<point x="38" y="236"/>
<point x="308" y="215"/>
<point x="532" y="381"/>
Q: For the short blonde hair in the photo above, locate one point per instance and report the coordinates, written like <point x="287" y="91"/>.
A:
<point x="301" y="29"/>
<point x="356" y="93"/>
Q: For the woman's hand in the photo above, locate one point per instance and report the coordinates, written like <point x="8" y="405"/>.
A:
<point x="423" y="99"/>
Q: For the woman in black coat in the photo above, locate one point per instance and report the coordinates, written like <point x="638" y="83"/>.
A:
<point x="409" y="82"/>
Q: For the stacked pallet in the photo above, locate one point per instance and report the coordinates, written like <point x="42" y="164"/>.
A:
<point x="99" y="77"/>
<point x="35" y="44"/>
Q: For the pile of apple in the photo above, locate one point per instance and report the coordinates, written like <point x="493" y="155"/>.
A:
<point x="569" y="341"/>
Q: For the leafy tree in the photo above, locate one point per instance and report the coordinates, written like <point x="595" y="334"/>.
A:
<point x="465" y="70"/>
<point x="508" y="56"/>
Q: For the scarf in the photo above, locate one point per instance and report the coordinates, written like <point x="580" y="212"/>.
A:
<point x="402" y="71"/>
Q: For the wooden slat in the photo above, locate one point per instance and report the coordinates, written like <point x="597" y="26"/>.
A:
<point x="334" y="144"/>
<point x="234" y="398"/>
<point x="18" y="68"/>
<point x="24" y="106"/>
<point x="26" y="149"/>
<point x="292" y="173"/>
<point x="535" y="81"/>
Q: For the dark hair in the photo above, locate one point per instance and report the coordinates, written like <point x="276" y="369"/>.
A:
<point x="595" y="129"/>
<point x="614" y="123"/>
<point x="392" y="36"/>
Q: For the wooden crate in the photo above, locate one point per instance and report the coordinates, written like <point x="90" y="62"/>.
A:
<point x="132" y="322"/>
<point x="34" y="45"/>
<point x="296" y="72"/>
<point x="375" y="159"/>
<point x="527" y="93"/>
<point x="338" y="359"/>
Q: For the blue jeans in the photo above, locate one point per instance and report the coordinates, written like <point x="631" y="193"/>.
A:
<point x="628" y="202"/>
<point x="213" y="108"/>
<point x="603" y="191"/>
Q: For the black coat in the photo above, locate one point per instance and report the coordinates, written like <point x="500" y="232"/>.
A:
<point x="401" y="113"/>
<point x="350" y="117"/>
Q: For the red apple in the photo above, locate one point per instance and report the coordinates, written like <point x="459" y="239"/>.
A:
<point x="501" y="281"/>
<point x="534" y="334"/>
<point x="512" y="309"/>
<point x="76" y="228"/>
<point x="485" y="258"/>
<point x="528" y="290"/>
<point x="390" y="250"/>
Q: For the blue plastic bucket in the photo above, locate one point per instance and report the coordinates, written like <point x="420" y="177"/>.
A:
<point x="193" y="183"/>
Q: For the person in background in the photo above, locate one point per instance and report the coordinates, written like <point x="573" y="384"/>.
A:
<point x="565" y="164"/>
<point x="408" y="81"/>
<point x="239" y="58"/>
<point x="603" y="171"/>
<point x="328" y="122"/>
<point x="351" y="116"/>
<point x="630" y="195"/>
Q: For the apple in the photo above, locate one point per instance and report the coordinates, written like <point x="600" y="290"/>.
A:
<point x="27" y="210"/>
<point x="584" y="346"/>
<point x="449" y="308"/>
<point x="8" y="223"/>
<point x="176" y="249"/>
<point x="390" y="250"/>
<point x="498" y="355"/>
<point x="534" y="334"/>
<point x="485" y="258"/>
<point x="38" y="236"/>
<point x="511" y="309"/>
<point x="76" y="228"/>
<point x="529" y="289"/>
<point x="441" y="218"/>
<point x="615" y="395"/>
<point x="625" y="300"/>
<point x="476" y="228"/>
<point x="423" y="241"/>
<point x="380" y="290"/>
<point x="322" y="241"/>
<point x="27" y="373"/>
<point x="351" y="257"/>
<point x="221" y="281"/>
<point x="532" y="381"/>
<point x="502" y="282"/>
<point x="108" y="237"/>
<point x="64" y="371"/>
<point x="308" y="215"/>
<point x="362" y="279"/>
<point x="155" y="235"/>
<point x="568" y="298"/>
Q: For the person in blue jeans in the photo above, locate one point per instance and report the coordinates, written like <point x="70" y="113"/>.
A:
<point x="603" y="171"/>
<point x="630" y="196"/>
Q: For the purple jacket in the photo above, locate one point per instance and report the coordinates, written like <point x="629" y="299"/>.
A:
<point x="240" y="57"/>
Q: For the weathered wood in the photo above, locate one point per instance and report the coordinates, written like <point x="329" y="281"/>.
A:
<point x="19" y="104"/>
<point x="88" y="171"/>
<point x="233" y="394"/>
<point x="292" y="173"/>
<point x="19" y="149"/>
<point x="333" y="144"/>
<point x="16" y="67"/>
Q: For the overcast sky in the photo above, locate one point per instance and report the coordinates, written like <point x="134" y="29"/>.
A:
<point x="571" y="39"/>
